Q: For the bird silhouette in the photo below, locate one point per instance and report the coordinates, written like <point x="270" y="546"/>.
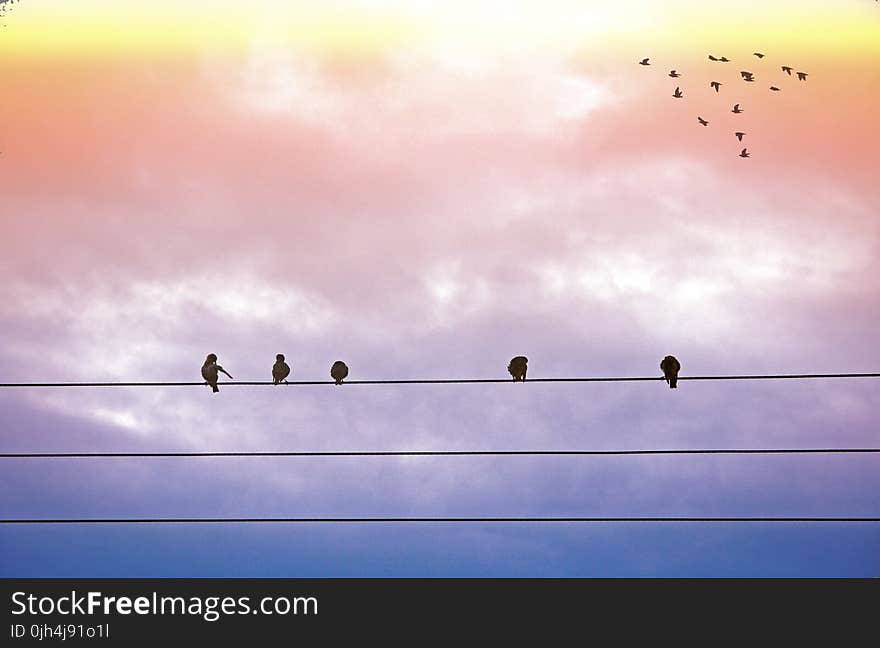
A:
<point x="802" y="76"/>
<point x="702" y="121"/>
<point x="724" y="59"/>
<point x="674" y="74"/>
<point x="518" y="368"/>
<point x="736" y="109"/>
<point x="670" y="368"/>
<point x="716" y="85"/>
<point x="339" y="371"/>
<point x="739" y="135"/>
<point x="745" y="74"/>
<point x="644" y="61"/>
<point x="786" y="69"/>
<point x="712" y="58"/>
<point x="677" y="94"/>
<point x="759" y="55"/>
<point x="744" y="153"/>
<point x="775" y="89"/>
<point x="211" y="370"/>
<point x="280" y="370"/>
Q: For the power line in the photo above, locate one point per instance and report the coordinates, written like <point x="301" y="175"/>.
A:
<point x="432" y="453"/>
<point x="462" y="520"/>
<point x="442" y="381"/>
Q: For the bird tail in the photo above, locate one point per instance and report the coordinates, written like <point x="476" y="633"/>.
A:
<point x="215" y="388"/>
<point x="673" y="384"/>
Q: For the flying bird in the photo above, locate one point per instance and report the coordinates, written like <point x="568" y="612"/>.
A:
<point x="280" y="370"/>
<point x="786" y="69"/>
<point x="746" y="74"/>
<point x="210" y="372"/>
<point x="774" y="88"/>
<point x="670" y="368"/>
<point x="759" y="55"/>
<point x="715" y="84"/>
<point x="674" y="74"/>
<point x="736" y="109"/>
<point x="644" y="61"/>
<point x="677" y="94"/>
<point x="802" y="76"/>
<point x="744" y="153"/>
<point x="339" y="371"/>
<point x="724" y="59"/>
<point x="518" y="367"/>
<point x="739" y="135"/>
<point x="712" y="58"/>
<point x="702" y="121"/>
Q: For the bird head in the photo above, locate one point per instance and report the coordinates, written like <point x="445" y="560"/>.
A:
<point x="211" y="358"/>
<point x="280" y="357"/>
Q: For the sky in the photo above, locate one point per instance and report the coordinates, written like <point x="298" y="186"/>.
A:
<point x="426" y="190"/>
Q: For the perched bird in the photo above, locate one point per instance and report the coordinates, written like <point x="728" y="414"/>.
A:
<point x="702" y="121"/>
<point x="210" y="372"/>
<point x="518" y="367"/>
<point x="739" y="135"/>
<point x="712" y="58"/>
<point x="744" y="153"/>
<point x="677" y="94"/>
<point x="736" y="109"/>
<point x="670" y="368"/>
<point x="759" y="55"/>
<point x="802" y="76"/>
<point x="644" y="61"/>
<point x="339" y="371"/>
<point x="674" y="74"/>
<point x="715" y="84"/>
<point x="786" y="69"/>
<point x="775" y="89"/>
<point x="280" y="370"/>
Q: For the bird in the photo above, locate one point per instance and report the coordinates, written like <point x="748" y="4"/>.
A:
<point x="674" y="74"/>
<point x="745" y="74"/>
<point x="744" y="153"/>
<point x="712" y="58"/>
<point x="280" y="370"/>
<point x="774" y="88"/>
<point x="802" y="76"/>
<point x="677" y="94"/>
<point x="210" y="372"/>
<point x="518" y="368"/>
<point x="739" y="135"/>
<point x="670" y="368"/>
<point x="786" y="69"/>
<point x="724" y="59"/>
<point x="736" y="109"/>
<point x="339" y="371"/>
<point x="644" y="61"/>
<point x="758" y="54"/>
<point x="715" y="84"/>
<point x="702" y="121"/>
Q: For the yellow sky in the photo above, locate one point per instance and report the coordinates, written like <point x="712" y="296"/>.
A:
<point x="137" y="27"/>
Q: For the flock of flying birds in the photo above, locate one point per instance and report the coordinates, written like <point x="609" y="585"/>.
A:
<point x="517" y="368"/>
<point x="746" y="77"/>
<point x="4" y="5"/>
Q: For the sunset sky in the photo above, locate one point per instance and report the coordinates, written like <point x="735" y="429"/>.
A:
<point x="426" y="190"/>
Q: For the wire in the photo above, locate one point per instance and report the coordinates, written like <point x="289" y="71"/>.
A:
<point x="431" y="453"/>
<point x="443" y="381"/>
<point x="464" y="520"/>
